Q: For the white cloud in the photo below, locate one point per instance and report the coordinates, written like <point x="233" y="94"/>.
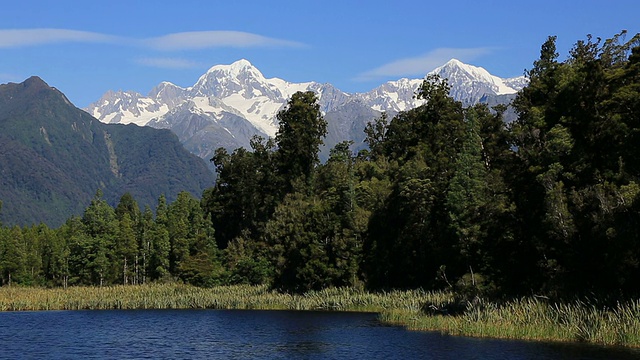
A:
<point x="212" y="39"/>
<point x="171" y="42"/>
<point x="33" y="37"/>
<point x="421" y="65"/>
<point x="167" y="63"/>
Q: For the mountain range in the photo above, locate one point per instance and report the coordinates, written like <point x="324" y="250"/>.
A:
<point x="54" y="157"/>
<point x="231" y="103"/>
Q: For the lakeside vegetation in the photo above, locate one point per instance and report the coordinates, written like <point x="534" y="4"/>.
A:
<point x="525" y="318"/>
<point x="533" y="319"/>
<point x="179" y="296"/>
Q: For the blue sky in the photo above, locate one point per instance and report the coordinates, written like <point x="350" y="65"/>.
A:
<point x="85" y="48"/>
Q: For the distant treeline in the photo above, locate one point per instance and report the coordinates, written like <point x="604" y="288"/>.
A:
<point x="444" y="197"/>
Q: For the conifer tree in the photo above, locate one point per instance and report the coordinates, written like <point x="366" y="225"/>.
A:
<point x="299" y="137"/>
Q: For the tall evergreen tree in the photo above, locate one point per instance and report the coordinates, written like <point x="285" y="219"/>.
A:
<point x="246" y="192"/>
<point x="299" y="138"/>
<point x="160" y="249"/>
<point x="126" y="249"/>
<point x="13" y="256"/>
<point x="101" y="227"/>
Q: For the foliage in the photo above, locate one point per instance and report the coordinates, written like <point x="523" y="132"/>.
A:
<point x="299" y="137"/>
<point x="446" y="197"/>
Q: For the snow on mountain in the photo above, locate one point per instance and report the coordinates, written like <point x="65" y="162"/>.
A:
<point x="168" y="94"/>
<point x="124" y="107"/>
<point x="238" y="95"/>
<point x="242" y="87"/>
<point x="469" y="83"/>
<point x="393" y="96"/>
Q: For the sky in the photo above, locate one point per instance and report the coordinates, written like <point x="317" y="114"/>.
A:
<point x="85" y="48"/>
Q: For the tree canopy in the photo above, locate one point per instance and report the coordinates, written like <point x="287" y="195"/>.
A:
<point x="445" y="197"/>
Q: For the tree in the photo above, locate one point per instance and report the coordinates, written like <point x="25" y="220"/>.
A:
<point x="160" y="244"/>
<point x="194" y="254"/>
<point x="128" y="205"/>
<point x="246" y="192"/>
<point x="101" y="226"/>
<point x="467" y="195"/>
<point x="35" y="239"/>
<point x="341" y="219"/>
<point x="126" y="248"/>
<point x="13" y="256"/>
<point x="479" y="204"/>
<point x="57" y="255"/>
<point x="178" y="214"/>
<point x="297" y="250"/>
<point x="160" y="250"/>
<point x="202" y="266"/>
<point x="145" y="227"/>
<point x="375" y="132"/>
<point x="80" y="252"/>
<point x="299" y="137"/>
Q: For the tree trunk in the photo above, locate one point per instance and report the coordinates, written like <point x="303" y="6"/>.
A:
<point x="144" y="267"/>
<point x="124" y="272"/>
<point x="135" y="280"/>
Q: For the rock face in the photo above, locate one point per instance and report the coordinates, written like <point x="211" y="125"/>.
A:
<point x="231" y="103"/>
<point x="54" y="157"/>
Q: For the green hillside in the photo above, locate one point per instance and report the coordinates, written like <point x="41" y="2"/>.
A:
<point x="54" y="157"/>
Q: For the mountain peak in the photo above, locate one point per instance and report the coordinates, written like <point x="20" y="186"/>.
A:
<point x="470" y="82"/>
<point x="236" y="67"/>
<point x="33" y="88"/>
<point x="35" y="82"/>
<point x="456" y="65"/>
<point x="454" y="62"/>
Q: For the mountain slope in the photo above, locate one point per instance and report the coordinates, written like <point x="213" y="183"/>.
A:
<point x="53" y="158"/>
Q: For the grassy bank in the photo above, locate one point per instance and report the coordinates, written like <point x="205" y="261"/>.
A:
<point x="533" y="319"/>
<point x="176" y="296"/>
<point x="528" y="319"/>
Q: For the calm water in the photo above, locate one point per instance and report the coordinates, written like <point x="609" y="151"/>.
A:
<point x="215" y="334"/>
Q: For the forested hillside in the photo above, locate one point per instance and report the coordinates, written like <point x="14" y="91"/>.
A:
<point x="53" y="158"/>
<point x="444" y="197"/>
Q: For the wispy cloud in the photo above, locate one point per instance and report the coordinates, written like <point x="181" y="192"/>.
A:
<point x="34" y="37"/>
<point x="421" y="65"/>
<point x="195" y="40"/>
<point x="167" y="63"/>
<point x="214" y="39"/>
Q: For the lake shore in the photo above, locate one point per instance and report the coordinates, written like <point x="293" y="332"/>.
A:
<point x="524" y="319"/>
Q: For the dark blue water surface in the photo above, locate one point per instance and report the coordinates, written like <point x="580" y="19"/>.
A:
<point x="227" y="334"/>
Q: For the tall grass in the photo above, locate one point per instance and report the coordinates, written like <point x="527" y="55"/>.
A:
<point x="526" y="318"/>
<point x="177" y="296"/>
<point x="534" y="319"/>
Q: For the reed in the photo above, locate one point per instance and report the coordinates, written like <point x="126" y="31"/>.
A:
<point x="525" y="318"/>
<point x="534" y="319"/>
<point x="178" y="296"/>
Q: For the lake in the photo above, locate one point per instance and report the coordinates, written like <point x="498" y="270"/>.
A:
<point x="249" y="334"/>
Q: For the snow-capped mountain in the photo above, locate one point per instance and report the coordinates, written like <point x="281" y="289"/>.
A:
<point x="470" y="83"/>
<point x="230" y="103"/>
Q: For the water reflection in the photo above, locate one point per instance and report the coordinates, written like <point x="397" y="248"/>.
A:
<point x="210" y="334"/>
